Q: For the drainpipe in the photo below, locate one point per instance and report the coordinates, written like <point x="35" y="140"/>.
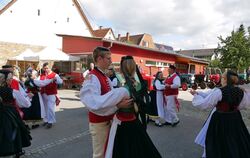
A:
<point x="111" y="44"/>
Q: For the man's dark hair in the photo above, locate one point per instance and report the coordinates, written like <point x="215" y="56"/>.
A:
<point x="7" y="66"/>
<point x="45" y="64"/>
<point x="172" y="67"/>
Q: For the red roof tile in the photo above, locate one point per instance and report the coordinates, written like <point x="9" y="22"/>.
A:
<point x="101" y="32"/>
<point x="134" y="39"/>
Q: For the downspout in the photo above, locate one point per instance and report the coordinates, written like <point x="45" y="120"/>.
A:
<point x="111" y="44"/>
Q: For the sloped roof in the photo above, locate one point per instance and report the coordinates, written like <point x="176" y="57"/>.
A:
<point x="102" y="32"/>
<point x="134" y="39"/>
<point x="198" y="52"/>
<point x="163" y="47"/>
<point x="5" y="4"/>
<point x="84" y="17"/>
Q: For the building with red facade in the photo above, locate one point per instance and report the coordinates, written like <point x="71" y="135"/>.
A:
<point x="150" y="60"/>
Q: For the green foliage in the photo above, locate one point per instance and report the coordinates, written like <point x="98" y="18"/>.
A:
<point x="235" y="49"/>
<point x="215" y="63"/>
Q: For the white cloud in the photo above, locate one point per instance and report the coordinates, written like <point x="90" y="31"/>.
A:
<point x="180" y="23"/>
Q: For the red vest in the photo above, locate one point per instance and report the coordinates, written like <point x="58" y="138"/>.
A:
<point x="14" y="84"/>
<point x="42" y="77"/>
<point x="105" y="88"/>
<point x="170" y="91"/>
<point x="51" y="88"/>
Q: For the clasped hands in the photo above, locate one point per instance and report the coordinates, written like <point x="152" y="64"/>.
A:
<point x="125" y="103"/>
<point x="167" y="86"/>
<point x="30" y="95"/>
<point x="193" y="92"/>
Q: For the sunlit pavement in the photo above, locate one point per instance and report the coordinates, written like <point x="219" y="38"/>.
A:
<point x="70" y="138"/>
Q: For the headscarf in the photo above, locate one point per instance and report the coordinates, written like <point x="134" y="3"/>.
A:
<point x="157" y="78"/>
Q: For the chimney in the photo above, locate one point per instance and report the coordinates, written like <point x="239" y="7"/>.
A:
<point x="119" y="37"/>
<point x="100" y="27"/>
<point x="127" y="36"/>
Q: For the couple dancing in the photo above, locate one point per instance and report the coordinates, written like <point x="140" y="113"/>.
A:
<point x="116" y="130"/>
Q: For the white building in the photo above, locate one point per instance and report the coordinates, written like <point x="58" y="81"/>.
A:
<point x="37" y="22"/>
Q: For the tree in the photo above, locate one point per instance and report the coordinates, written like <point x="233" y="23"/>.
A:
<point x="215" y="63"/>
<point x="235" y="49"/>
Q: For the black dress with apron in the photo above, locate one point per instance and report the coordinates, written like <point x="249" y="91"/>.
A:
<point x="34" y="111"/>
<point x="131" y="139"/>
<point x="13" y="133"/>
<point x="227" y="135"/>
<point x="152" y="110"/>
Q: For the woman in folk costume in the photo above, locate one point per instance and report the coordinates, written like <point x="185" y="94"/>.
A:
<point x="36" y="111"/>
<point x="13" y="133"/>
<point x="152" y="112"/>
<point x="112" y="77"/>
<point x="128" y="137"/>
<point x="159" y="87"/>
<point x="224" y="135"/>
<point x="22" y="98"/>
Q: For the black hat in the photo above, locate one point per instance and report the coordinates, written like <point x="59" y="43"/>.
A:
<point x="5" y="72"/>
<point x="172" y="67"/>
<point x="7" y="66"/>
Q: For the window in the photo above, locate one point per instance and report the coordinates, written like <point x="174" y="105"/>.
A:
<point x="156" y="63"/>
<point x="77" y="66"/>
<point x="165" y="64"/>
<point x="150" y="63"/>
<point x="145" y="44"/>
<point x="63" y="67"/>
<point x="181" y="66"/>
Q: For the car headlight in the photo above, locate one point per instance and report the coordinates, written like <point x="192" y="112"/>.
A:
<point x="192" y="78"/>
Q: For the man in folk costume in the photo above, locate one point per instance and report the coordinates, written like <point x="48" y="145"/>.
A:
<point x="102" y="101"/>
<point x="171" y="92"/>
<point x="49" y="93"/>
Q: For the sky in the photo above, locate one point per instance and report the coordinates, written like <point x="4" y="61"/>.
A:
<point x="182" y="24"/>
<point x="3" y="3"/>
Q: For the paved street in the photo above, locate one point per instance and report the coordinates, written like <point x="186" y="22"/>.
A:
<point x="70" y="137"/>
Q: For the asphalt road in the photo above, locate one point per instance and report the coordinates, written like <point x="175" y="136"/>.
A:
<point x="70" y="138"/>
